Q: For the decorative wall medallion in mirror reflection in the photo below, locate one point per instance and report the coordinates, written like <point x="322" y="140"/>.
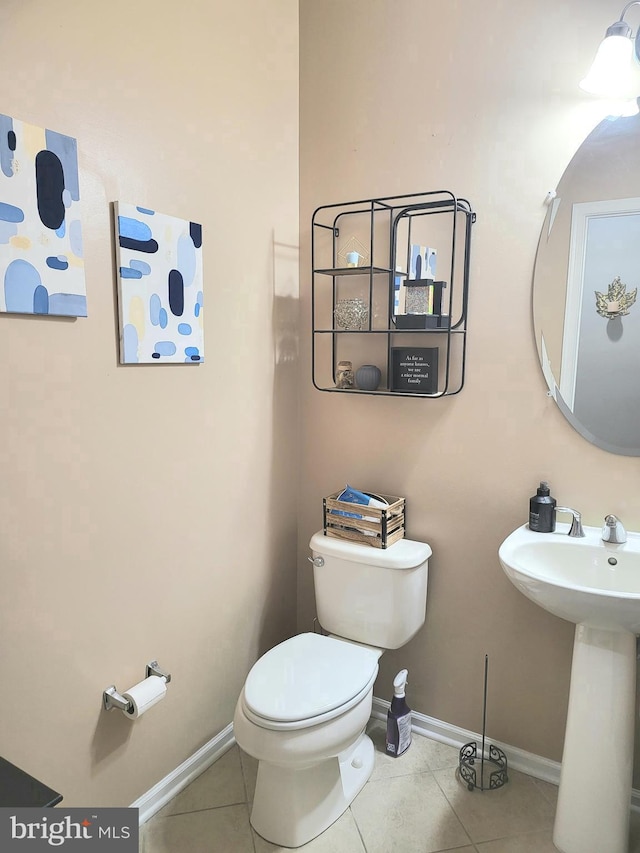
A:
<point x="41" y="265"/>
<point x="590" y="240"/>
<point x="159" y="287"/>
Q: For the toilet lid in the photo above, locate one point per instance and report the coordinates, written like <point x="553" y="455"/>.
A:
<point x="308" y="675"/>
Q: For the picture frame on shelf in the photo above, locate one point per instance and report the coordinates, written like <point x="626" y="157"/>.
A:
<point x="414" y="369"/>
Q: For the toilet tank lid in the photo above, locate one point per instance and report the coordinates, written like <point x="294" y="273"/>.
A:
<point x="404" y="554"/>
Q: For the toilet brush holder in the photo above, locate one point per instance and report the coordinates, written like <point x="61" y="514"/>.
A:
<point x="473" y="755"/>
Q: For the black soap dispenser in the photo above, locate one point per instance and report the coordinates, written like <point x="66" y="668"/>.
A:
<point x="542" y="510"/>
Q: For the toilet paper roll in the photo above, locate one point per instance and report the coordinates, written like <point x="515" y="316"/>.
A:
<point x="144" y="695"/>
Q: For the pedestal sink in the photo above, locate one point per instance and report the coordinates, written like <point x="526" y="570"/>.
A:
<point x="596" y="585"/>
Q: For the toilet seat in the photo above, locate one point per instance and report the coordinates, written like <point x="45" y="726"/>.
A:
<point x="307" y="680"/>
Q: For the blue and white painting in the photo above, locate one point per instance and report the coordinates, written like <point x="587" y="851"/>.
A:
<point x="159" y="287"/>
<point x="41" y="259"/>
<point x="422" y="263"/>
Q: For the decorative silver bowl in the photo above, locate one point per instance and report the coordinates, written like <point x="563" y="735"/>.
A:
<point x="352" y="315"/>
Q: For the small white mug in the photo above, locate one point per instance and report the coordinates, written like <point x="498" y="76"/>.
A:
<point x="353" y="259"/>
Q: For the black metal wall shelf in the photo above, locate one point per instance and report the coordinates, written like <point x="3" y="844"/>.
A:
<point x="381" y="231"/>
<point x="354" y="271"/>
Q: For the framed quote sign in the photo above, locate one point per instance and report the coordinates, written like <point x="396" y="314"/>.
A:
<point x="414" y="369"/>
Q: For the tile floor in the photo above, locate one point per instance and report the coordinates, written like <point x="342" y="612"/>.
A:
<point x="411" y="804"/>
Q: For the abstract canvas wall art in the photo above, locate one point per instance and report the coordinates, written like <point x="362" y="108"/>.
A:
<point x="41" y="259"/>
<point x="159" y="287"/>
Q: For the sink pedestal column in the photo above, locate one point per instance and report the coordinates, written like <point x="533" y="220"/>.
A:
<point x="597" y="763"/>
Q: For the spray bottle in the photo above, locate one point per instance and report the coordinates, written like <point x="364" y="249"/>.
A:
<point x="399" y="718"/>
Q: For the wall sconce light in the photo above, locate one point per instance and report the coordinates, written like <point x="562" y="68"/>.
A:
<point x="615" y="72"/>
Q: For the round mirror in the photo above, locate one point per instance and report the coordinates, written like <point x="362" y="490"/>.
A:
<point x="587" y="271"/>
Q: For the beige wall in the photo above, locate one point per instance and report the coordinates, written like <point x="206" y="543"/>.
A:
<point x="481" y="99"/>
<point x="116" y="548"/>
<point x="133" y="520"/>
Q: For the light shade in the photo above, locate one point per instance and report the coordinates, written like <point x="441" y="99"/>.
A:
<point x="614" y="73"/>
<point x="626" y="109"/>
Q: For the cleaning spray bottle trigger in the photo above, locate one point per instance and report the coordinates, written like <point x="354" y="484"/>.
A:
<point x="400" y="682"/>
<point x="399" y="718"/>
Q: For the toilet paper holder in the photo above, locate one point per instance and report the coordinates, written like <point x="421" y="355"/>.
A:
<point x="112" y="699"/>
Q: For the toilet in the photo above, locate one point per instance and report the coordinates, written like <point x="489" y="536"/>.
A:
<point x="305" y="704"/>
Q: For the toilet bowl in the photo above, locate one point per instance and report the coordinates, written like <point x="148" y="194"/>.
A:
<point x="305" y="704"/>
<point x="302" y="713"/>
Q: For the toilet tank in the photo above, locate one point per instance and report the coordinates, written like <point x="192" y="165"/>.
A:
<point x="370" y="595"/>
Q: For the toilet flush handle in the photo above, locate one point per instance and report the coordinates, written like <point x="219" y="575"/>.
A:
<point x="318" y="562"/>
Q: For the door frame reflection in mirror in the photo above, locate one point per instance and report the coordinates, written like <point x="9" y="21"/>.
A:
<point x="584" y="215"/>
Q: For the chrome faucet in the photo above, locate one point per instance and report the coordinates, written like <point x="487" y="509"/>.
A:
<point x="576" y="523"/>
<point x="613" y="530"/>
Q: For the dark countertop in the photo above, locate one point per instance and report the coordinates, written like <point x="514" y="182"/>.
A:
<point x="18" y="789"/>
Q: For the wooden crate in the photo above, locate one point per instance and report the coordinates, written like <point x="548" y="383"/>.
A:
<point x="386" y="527"/>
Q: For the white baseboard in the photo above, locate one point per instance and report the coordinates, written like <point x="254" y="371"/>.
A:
<point x="167" y="788"/>
<point x="518" y="759"/>
<point x="526" y="762"/>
